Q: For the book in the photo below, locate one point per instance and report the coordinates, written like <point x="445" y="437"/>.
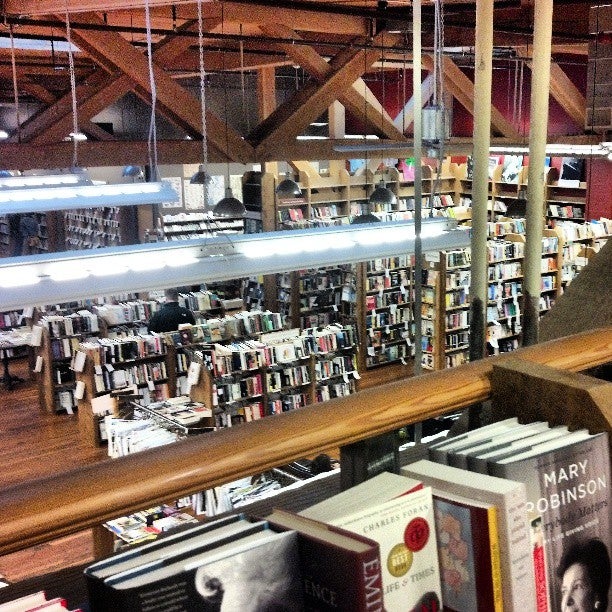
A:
<point x="510" y="499"/>
<point x="166" y="547"/>
<point x="396" y="512"/>
<point x="478" y="461"/>
<point x="341" y="570"/>
<point x="259" y="571"/>
<point x="468" y="549"/>
<point x="366" y="458"/>
<point x="568" y="488"/>
<point x="458" y="457"/>
<point x="438" y="450"/>
<point x="24" y="603"/>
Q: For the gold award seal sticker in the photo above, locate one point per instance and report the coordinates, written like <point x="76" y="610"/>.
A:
<point x="399" y="560"/>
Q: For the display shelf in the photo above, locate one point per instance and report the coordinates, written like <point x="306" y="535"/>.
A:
<point x="565" y="199"/>
<point x="184" y="226"/>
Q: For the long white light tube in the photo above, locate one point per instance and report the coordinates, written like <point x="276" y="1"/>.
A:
<point x="25" y="198"/>
<point x="74" y="275"/>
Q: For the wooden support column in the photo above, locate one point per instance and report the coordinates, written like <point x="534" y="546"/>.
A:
<point x="536" y="178"/>
<point x="480" y="184"/>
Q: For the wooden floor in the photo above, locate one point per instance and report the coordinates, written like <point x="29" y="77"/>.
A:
<point x="36" y="444"/>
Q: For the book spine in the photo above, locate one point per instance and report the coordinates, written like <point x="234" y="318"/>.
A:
<point x="496" y="572"/>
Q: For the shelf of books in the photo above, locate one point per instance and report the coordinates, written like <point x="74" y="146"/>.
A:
<point x="92" y="228"/>
<point x="505" y="291"/>
<point x="385" y="310"/>
<point x="104" y="367"/>
<point x="58" y="338"/>
<point x="565" y="199"/>
<point x="509" y="190"/>
<point x="186" y="225"/>
<point x="490" y="518"/>
<point x="275" y="372"/>
<point x="445" y="309"/>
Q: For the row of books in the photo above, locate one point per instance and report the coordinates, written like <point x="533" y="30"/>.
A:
<point x="116" y="350"/>
<point x="388" y="263"/>
<point x="431" y="538"/>
<point x="502" y="271"/>
<point x="565" y="212"/>
<point x="387" y="299"/>
<point x="458" y="278"/>
<point x="501" y="228"/>
<point x="140" y="374"/>
<point x="384" y="318"/>
<point x="83" y="322"/>
<point x="127" y="312"/>
<point x="501" y="250"/>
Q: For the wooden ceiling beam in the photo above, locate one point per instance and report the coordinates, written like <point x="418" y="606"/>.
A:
<point x="293" y="117"/>
<point x="567" y="95"/>
<point x="50" y="7"/>
<point x="457" y="83"/>
<point x="183" y="108"/>
<point x="357" y="99"/>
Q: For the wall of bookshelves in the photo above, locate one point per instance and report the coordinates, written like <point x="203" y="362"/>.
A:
<point x="92" y="228"/>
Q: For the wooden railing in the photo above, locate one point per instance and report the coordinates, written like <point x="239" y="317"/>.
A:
<point x="42" y="510"/>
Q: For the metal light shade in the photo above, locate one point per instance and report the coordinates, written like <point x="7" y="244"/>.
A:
<point x="382" y="195"/>
<point x="133" y="172"/>
<point x="229" y="206"/>
<point x="288" y="188"/>
<point x="365" y="218"/>
<point x="201" y="177"/>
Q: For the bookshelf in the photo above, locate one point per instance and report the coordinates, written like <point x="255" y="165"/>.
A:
<point x="505" y="290"/>
<point x="92" y="228"/>
<point x="511" y="195"/>
<point x="247" y="379"/>
<point x="183" y="225"/>
<point x="564" y="199"/>
<point x="61" y="337"/>
<point x="113" y="365"/>
<point x="385" y="316"/>
<point x="445" y="309"/>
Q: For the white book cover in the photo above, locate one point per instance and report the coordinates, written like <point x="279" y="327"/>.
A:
<point x="404" y="530"/>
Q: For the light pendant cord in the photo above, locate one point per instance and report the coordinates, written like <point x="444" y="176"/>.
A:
<point x="152" y="141"/>
<point x="75" y="120"/>
<point x="203" y="97"/>
<point x="15" y="88"/>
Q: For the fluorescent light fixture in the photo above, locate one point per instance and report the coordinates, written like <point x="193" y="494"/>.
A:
<point x="66" y="196"/>
<point x="35" y="279"/>
<point x="38" y="44"/>
<point x="3" y="134"/>
<point x="78" y="136"/>
<point x="557" y="150"/>
<point x="43" y="180"/>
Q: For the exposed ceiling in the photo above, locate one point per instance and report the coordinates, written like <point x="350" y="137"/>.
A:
<point x="334" y="42"/>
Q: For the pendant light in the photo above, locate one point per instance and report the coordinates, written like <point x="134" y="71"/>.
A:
<point x="201" y="177"/>
<point x="288" y="188"/>
<point x="229" y="206"/>
<point x="133" y="172"/>
<point x="382" y="195"/>
<point x="366" y="216"/>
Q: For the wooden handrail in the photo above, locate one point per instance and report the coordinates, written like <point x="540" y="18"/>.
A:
<point x="44" y="509"/>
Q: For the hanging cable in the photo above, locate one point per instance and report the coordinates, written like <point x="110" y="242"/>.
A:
<point x="152" y="140"/>
<point x="15" y="87"/>
<point x="75" y="121"/>
<point x="245" y="113"/>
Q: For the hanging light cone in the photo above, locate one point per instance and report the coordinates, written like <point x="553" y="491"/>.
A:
<point x="132" y="172"/>
<point x="229" y="206"/>
<point x="365" y="218"/>
<point x="288" y="188"/>
<point x="382" y="195"/>
<point x="201" y="177"/>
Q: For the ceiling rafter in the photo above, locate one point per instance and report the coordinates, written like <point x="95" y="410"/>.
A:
<point x="462" y="88"/>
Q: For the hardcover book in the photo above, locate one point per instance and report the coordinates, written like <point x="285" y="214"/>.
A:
<point x="257" y="572"/>
<point x="468" y="549"/>
<point x="341" y="570"/>
<point x="402" y="522"/>
<point x="510" y="499"/>
<point x="568" y="489"/>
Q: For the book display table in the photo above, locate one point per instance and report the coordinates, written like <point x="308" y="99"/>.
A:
<point x="10" y="340"/>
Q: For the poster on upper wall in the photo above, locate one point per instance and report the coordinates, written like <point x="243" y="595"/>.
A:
<point x="572" y="169"/>
<point x="176" y="182"/>
<point x="511" y="168"/>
